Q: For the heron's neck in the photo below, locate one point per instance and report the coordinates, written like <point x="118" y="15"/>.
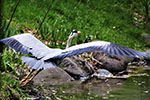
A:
<point x="69" y="42"/>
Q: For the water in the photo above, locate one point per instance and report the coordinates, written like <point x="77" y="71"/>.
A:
<point x="133" y="88"/>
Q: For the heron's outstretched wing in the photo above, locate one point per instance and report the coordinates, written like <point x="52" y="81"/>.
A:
<point x="27" y="44"/>
<point x="106" y="47"/>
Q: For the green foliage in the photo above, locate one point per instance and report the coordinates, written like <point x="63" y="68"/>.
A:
<point x="9" y="87"/>
<point x="142" y="6"/>
<point x="101" y="19"/>
<point x="10" y="61"/>
<point x="12" y="30"/>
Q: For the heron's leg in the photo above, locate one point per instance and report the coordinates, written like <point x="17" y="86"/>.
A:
<point x="27" y="76"/>
<point x="28" y="80"/>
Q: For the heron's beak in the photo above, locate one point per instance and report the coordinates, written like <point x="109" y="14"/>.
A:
<point x="79" y="32"/>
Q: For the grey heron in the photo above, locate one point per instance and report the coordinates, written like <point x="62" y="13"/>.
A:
<point x="44" y="57"/>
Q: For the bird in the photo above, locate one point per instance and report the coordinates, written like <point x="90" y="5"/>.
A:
<point x="42" y="57"/>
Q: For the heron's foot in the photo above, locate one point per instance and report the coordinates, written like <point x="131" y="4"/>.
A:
<point x="24" y="82"/>
<point x="27" y="76"/>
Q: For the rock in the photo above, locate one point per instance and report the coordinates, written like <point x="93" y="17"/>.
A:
<point x="112" y="64"/>
<point x="102" y="74"/>
<point x="52" y="76"/>
<point x="76" y="67"/>
<point x="72" y="68"/>
<point x="99" y="74"/>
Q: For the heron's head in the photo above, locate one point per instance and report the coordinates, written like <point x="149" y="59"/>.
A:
<point x="74" y="33"/>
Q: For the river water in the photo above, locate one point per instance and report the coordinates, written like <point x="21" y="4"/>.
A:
<point x="133" y="88"/>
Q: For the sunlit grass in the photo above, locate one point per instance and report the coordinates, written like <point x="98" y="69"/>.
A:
<point x="104" y="20"/>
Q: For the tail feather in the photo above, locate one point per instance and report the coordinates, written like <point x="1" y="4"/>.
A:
<point x="38" y="64"/>
<point x="30" y="61"/>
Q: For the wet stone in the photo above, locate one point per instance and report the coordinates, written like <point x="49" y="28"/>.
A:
<point x="52" y="76"/>
<point x="110" y="63"/>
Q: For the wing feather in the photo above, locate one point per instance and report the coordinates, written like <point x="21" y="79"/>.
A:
<point x="106" y="47"/>
<point x="116" y="52"/>
<point x="27" y="44"/>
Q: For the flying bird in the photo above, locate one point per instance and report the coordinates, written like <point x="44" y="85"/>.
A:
<point x="44" y="57"/>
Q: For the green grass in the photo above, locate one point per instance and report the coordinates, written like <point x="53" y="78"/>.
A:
<point x="107" y="20"/>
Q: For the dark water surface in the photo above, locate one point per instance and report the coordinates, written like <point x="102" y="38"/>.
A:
<point x="133" y="88"/>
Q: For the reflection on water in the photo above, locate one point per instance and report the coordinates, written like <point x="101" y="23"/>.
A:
<point x="133" y="88"/>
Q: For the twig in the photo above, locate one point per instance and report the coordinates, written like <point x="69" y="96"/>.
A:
<point x="45" y="16"/>
<point x="97" y="61"/>
<point x="1" y="32"/>
<point x="12" y="16"/>
<point x="14" y="93"/>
